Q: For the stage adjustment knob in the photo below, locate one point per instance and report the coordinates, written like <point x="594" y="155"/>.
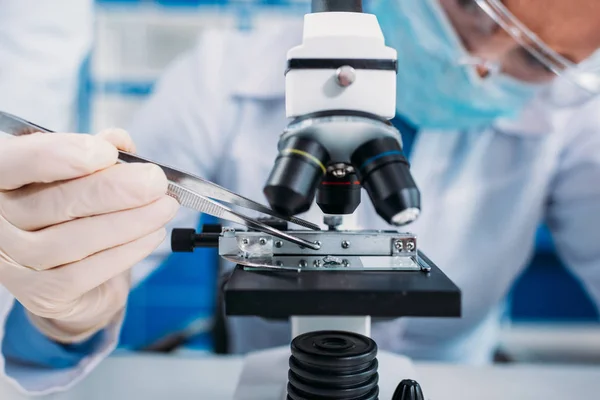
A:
<point x="182" y="240"/>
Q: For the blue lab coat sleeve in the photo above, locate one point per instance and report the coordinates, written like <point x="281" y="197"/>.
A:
<point x="24" y="344"/>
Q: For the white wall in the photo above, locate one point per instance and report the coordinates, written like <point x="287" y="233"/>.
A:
<point x="134" y="42"/>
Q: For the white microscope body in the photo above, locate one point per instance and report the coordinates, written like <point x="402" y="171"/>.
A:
<point x="349" y="46"/>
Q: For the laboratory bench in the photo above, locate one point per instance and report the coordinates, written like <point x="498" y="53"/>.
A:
<point x="193" y="377"/>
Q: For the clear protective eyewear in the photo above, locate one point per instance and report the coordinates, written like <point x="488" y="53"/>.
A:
<point x="535" y="61"/>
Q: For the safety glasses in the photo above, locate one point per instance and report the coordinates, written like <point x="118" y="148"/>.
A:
<point x="536" y="60"/>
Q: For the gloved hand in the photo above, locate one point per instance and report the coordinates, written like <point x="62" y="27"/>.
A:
<point x="72" y="224"/>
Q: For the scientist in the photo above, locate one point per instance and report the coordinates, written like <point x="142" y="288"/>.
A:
<point x="501" y="130"/>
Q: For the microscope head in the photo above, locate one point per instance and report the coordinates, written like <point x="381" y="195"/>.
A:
<point x="340" y="95"/>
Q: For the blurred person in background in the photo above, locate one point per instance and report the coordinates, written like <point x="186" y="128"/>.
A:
<point x="42" y="47"/>
<point x="497" y="144"/>
<point x="499" y="135"/>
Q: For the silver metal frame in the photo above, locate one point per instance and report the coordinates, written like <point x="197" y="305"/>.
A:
<point x="338" y="251"/>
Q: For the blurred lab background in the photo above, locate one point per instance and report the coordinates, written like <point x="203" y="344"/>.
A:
<point x="549" y="318"/>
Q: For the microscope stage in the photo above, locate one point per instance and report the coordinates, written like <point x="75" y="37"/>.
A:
<point x="385" y="294"/>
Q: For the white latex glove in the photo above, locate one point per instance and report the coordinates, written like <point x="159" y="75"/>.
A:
<point x="72" y="224"/>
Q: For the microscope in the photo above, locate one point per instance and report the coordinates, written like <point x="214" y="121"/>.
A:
<point x="340" y="96"/>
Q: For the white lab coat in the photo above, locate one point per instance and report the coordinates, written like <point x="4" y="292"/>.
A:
<point x="218" y="113"/>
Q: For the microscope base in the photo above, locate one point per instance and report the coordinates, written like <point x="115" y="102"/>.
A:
<point x="264" y="375"/>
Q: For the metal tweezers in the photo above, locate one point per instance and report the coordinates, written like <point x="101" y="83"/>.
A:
<point x="189" y="190"/>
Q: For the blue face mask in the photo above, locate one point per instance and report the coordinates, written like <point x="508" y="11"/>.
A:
<point x="434" y="90"/>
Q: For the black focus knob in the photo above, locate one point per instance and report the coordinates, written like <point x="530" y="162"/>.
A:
<point x="408" y="390"/>
<point x="182" y="240"/>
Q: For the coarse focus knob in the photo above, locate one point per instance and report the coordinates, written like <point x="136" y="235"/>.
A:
<point x="408" y="390"/>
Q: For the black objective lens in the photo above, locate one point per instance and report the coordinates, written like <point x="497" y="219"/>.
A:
<point x="385" y="174"/>
<point x="291" y="187"/>
<point x="339" y="195"/>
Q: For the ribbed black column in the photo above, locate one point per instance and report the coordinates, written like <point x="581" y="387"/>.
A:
<point x="337" y="5"/>
<point x="333" y="365"/>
